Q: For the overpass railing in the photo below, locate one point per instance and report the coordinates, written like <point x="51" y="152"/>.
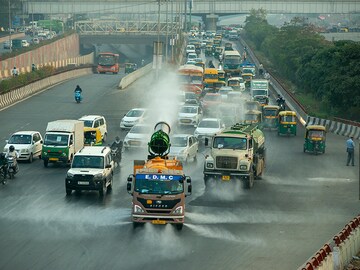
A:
<point x="96" y="27"/>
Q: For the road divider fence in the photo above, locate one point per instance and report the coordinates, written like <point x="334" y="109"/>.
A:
<point x="339" y="251"/>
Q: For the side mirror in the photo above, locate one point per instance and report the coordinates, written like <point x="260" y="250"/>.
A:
<point x="41" y="141"/>
<point x="6" y="141"/>
<point x="189" y="190"/>
<point x="108" y="166"/>
<point x="129" y="185"/>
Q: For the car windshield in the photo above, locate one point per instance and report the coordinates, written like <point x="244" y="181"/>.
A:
<point x="56" y="139"/>
<point x="94" y="162"/>
<point x="179" y="141"/>
<point x="259" y="92"/>
<point x="140" y="130"/>
<point x="209" y="124"/>
<point x="188" y="110"/>
<point x="159" y="186"/>
<point x="20" y="139"/>
<point x="135" y="113"/>
<point x="229" y="143"/>
<point x="88" y="123"/>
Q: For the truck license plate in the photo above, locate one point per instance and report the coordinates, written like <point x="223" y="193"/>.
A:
<point x="83" y="183"/>
<point x="53" y="159"/>
<point x="225" y="178"/>
<point x="162" y="222"/>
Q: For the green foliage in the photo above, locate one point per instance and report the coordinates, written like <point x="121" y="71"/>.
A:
<point x="25" y="78"/>
<point x="325" y="71"/>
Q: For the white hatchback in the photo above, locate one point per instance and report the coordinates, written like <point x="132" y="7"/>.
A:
<point x="133" y="117"/>
<point x="138" y="136"/>
<point x="189" y="115"/>
<point x="184" y="147"/>
<point x="27" y="143"/>
<point x="208" y="127"/>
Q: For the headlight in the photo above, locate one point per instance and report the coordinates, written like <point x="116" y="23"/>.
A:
<point x="178" y="210"/>
<point x="243" y="167"/>
<point x="138" y="209"/>
<point x="5" y="150"/>
<point x="70" y="175"/>
<point x="24" y="150"/>
<point x="209" y="165"/>
<point x="63" y="154"/>
<point x="98" y="176"/>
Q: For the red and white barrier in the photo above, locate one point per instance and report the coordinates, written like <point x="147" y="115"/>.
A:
<point x="338" y="253"/>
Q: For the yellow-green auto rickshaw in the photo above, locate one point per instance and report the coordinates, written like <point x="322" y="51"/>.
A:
<point x="315" y="136"/>
<point x="92" y="136"/>
<point x="271" y="116"/>
<point x="252" y="105"/>
<point x="221" y="74"/>
<point x="253" y="117"/>
<point x="130" y="67"/>
<point x="287" y="123"/>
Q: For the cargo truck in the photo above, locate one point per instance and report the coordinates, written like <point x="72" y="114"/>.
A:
<point x="63" y="138"/>
<point x="158" y="185"/>
<point x="259" y="91"/>
<point x="237" y="154"/>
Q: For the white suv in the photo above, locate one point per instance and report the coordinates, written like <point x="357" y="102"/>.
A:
<point x="96" y="121"/>
<point x="92" y="168"/>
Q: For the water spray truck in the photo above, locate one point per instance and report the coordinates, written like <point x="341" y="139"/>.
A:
<point x="158" y="185"/>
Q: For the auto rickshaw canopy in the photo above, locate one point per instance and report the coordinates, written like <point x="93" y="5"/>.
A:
<point x="315" y="132"/>
<point x="287" y="117"/>
<point x="271" y="110"/>
<point x="92" y="136"/>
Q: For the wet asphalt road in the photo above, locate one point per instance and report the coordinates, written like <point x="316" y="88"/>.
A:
<point x="301" y="202"/>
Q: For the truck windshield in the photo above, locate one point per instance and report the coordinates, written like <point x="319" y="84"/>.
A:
<point x="56" y="139"/>
<point x="229" y="143"/>
<point x="259" y="92"/>
<point x="165" y="187"/>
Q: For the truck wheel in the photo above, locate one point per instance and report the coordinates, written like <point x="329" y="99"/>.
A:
<point x="249" y="183"/>
<point x="46" y="163"/>
<point x="206" y="179"/>
<point x="68" y="192"/>
<point x="179" y="226"/>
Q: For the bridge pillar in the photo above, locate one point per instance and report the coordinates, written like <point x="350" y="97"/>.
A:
<point x="210" y="22"/>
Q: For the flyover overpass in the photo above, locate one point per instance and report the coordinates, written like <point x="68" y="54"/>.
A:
<point x="200" y="7"/>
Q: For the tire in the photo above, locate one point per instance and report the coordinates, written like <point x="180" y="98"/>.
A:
<point x="206" y="179"/>
<point x="46" y="163"/>
<point x="102" y="190"/>
<point x="68" y="191"/>
<point x="109" y="187"/>
<point x="249" y="183"/>
<point x="31" y="158"/>
<point x="179" y="226"/>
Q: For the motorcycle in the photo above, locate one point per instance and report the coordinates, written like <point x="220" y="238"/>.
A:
<point x="78" y="96"/>
<point x="12" y="167"/>
<point x="116" y="154"/>
<point x="3" y="174"/>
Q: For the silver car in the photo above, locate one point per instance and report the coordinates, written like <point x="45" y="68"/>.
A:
<point x="184" y="147"/>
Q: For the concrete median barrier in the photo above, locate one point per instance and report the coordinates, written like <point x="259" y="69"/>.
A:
<point x="133" y="76"/>
<point x="31" y="89"/>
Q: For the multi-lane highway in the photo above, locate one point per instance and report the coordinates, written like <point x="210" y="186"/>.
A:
<point x="301" y="202"/>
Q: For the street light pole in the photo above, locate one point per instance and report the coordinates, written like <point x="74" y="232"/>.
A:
<point x="167" y="32"/>
<point x="10" y="42"/>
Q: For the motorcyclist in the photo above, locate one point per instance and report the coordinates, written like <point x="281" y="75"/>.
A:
<point x="12" y="153"/>
<point x="280" y="101"/>
<point x="78" y="89"/>
<point x="3" y="167"/>
<point x="261" y="70"/>
<point x="117" y="144"/>
<point x="211" y="64"/>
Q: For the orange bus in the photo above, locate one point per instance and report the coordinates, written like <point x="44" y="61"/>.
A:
<point x="191" y="77"/>
<point x="108" y="62"/>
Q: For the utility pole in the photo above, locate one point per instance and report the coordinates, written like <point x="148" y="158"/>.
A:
<point x="167" y="32"/>
<point x="10" y="41"/>
<point x="190" y="7"/>
<point x="185" y="23"/>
